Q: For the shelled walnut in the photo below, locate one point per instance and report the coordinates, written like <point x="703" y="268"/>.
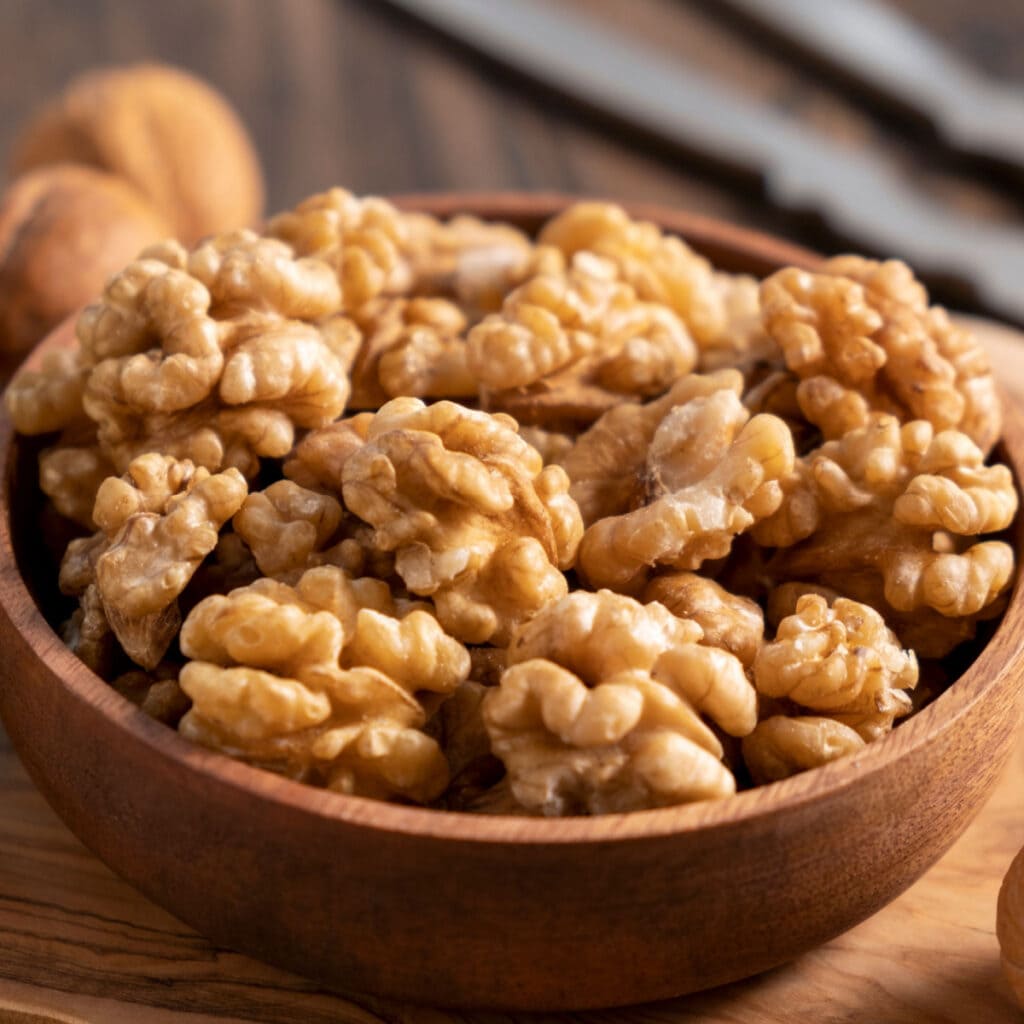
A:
<point x="842" y="664"/>
<point x="215" y="356"/>
<point x="599" y="708"/>
<point x="710" y="473"/>
<point x="842" y="660"/>
<point x="868" y="326"/>
<point x="904" y="506"/>
<point x="662" y="268"/>
<point x="730" y="621"/>
<point x="364" y="241"/>
<point x="570" y="344"/>
<point x="318" y="681"/>
<point x="411" y="347"/>
<point x="156" y="523"/>
<point x="473" y="517"/>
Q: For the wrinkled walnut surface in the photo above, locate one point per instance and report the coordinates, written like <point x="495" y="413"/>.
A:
<point x="157" y="523"/>
<point x="599" y="709"/>
<point x="318" y="680"/>
<point x="711" y="472"/>
<point x="898" y="510"/>
<point x="868" y="326"/>
<point x="781" y="746"/>
<point x="473" y="517"/>
<point x="428" y="511"/>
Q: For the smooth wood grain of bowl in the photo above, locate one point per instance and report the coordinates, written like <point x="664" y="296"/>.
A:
<point x="466" y="911"/>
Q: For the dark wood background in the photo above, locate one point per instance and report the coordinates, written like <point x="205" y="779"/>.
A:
<point x="351" y="92"/>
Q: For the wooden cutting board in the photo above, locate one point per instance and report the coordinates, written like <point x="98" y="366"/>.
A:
<point x="79" y="946"/>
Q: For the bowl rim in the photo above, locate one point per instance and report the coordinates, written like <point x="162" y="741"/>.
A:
<point x="425" y="823"/>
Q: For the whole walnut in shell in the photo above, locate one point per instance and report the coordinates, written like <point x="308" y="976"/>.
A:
<point x="1010" y="926"/>
<point x="172" y="136"/>
<point x="63" y="231"/>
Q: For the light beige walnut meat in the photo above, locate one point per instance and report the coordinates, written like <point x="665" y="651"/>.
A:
<point x="566" y="344"/>
<point x="474" y="519"/>
<point x="493" y="523"/>
<point x="600" y="708"/>
<point x="841" y="660"/>
<point x="48" y="398"/>
<point x="286" y="526"/>
<point x="661" y="268"/>
<point x="198" y="355"/>
<point x="153" y="555"/>
<point x="473" y="261"/>
<point x="596" y="634"/>
<point x="711" y="473"/>
<point x="868" y="326"/>
<point x="411" y="347"/>
<point x="780" y="746"/>
<point x="70" y="474"/>
<point x="903" y="504"/>
<point x="214" y="355"/>
<point x="742" y="340"/>
<point x="365" y="242"/>
<point x="317" y="680"/>
<point x="623" y="745"/>
<point x="608" y="463"/>
<point x="156" y="525"/>
<point x="553" y="445"/>
<point x="835" y="410"/>
<point x="923" y="630"/>
<point x="414" y="650"/>
<point x="894" y="291"/>
<point x="729" y="621"/>
<point x="316" y="461"/>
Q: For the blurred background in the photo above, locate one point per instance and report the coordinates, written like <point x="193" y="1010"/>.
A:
<point x="360" y="93"/>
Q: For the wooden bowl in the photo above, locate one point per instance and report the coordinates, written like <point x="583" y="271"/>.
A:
<point x="466" y="911"/>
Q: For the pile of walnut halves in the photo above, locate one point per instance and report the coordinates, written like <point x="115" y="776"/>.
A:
<point x="437" y="513"/>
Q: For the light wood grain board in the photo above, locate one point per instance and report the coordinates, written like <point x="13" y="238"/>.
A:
<point x="78" y="945"/>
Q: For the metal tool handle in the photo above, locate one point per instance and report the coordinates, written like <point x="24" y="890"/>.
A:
<point x="855" y="191"/>
<point x="880" y="48"/>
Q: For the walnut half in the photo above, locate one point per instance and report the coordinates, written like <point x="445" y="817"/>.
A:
<point x="600" y="708"/>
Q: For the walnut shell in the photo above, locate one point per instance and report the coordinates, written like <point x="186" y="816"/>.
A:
<point x="1010" y="926"/>
<point x="171" y="135"/>
<point x="63" y="231"/>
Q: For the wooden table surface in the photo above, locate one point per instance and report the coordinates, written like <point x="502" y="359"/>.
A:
<point x="347" y="92"/>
